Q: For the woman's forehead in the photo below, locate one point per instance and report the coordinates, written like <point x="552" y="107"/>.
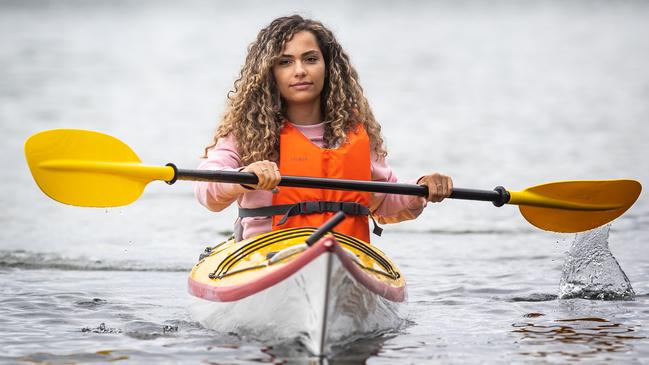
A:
<point x="301" y="42"/>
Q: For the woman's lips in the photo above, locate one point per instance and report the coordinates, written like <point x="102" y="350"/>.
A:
<point x="301" y="85"/>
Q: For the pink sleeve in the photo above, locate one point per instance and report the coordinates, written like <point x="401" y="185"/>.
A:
<point x="392" y="208"/>
<point x="218" y="196"/>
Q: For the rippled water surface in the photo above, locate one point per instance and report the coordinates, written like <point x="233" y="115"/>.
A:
<point x="500" y="94"/>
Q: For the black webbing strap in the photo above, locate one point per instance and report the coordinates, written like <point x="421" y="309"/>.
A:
<point x="288" y="210"/>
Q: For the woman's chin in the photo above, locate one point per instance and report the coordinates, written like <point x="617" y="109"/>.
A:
<point x="302" y="99"/>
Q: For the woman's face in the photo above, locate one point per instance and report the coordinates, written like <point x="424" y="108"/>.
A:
<point x="300" y="70"/>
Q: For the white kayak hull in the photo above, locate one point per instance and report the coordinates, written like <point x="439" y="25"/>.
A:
<point x="327" y="301"/>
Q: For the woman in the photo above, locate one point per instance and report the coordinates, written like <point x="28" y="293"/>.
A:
<point x="298" y="109"/>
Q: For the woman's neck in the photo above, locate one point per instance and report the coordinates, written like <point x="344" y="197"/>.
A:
<point x="304" y="114"/>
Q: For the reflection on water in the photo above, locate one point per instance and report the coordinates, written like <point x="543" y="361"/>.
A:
<point x="574" y="338"/>
<point x="96" y="357"/>
<point x="354" y="352"/>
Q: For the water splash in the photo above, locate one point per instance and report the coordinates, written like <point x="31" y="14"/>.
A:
<point x="590" y="270"/>
<point x="102" y="328"/>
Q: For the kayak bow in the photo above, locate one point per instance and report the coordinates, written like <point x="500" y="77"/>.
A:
<point x="327" y="292"/>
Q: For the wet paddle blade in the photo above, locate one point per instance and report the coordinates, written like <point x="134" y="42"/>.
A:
<point x="576" y="206"/>
<point x="88" y="169"/>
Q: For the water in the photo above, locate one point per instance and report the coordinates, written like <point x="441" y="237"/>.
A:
<point x="500" y="94"/>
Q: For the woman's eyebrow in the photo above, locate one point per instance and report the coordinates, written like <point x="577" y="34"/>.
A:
<point x="307" y="53"/>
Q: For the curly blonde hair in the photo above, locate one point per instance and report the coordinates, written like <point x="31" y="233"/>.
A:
<point x="255" y="111"/>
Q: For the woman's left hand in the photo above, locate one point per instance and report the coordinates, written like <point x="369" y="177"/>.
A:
<point x="439" y="186"/>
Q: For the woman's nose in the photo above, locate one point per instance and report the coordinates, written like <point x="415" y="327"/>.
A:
<point x="299" y="69"/>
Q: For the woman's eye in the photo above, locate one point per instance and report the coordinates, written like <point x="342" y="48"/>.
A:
<point x="312" y="59"/>
<point x="284" y="62"/>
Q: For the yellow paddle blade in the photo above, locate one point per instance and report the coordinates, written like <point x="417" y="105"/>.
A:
<point x="88" y="169"/>
<point x="576" y="206"/>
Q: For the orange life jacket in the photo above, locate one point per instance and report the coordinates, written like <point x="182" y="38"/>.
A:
<point x="312" y="207"/>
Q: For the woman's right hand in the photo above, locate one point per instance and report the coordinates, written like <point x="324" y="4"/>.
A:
<point x="267" y="172"/>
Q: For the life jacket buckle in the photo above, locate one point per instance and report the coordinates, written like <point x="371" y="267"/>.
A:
<point x="311" y="207"/>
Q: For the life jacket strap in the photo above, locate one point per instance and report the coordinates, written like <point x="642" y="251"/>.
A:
<point x="310" y="207"/>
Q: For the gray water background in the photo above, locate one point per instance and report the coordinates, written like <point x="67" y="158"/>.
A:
<point x="499" y="93"/>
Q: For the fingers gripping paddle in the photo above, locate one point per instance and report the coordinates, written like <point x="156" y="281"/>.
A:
<point x="93" y="169"/>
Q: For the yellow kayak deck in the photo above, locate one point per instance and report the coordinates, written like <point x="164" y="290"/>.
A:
<point x="238" y="267"/>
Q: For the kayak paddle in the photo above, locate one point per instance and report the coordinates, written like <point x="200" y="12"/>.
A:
<point x="92" y="169"/>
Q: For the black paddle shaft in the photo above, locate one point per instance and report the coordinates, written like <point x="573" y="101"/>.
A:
<point x="326" y="227"/>
<point x="498" y="196"/>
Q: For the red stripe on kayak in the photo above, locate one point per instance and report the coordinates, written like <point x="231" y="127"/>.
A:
<point x="395" y="294"/>
<point x="328" y="243"/>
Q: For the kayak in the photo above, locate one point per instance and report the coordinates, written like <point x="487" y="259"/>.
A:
<point x="276" y="286"/>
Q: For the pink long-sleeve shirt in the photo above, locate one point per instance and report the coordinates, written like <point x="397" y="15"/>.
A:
<point x="385" y="208"/>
